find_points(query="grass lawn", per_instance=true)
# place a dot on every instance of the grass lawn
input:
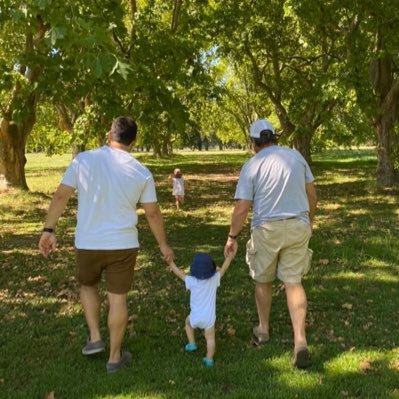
(353, 293)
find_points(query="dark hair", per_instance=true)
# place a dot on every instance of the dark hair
(124, 130)
(266, 137)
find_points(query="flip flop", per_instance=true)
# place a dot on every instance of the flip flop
(259, 338)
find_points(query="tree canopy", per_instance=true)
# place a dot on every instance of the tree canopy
(193, 73)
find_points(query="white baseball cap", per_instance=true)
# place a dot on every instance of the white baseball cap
(259, 126)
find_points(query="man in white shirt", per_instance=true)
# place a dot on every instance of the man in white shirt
(278, 184)
(109, 184)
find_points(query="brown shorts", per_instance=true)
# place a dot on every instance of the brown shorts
(118, 266)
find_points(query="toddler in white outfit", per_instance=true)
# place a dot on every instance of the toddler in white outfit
(203, 283)
(178, 187)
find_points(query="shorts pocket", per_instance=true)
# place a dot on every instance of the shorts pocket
(309, 256)
(250, 255)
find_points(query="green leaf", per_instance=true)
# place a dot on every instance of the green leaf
(122, 68)
(18, 14)
(98, 69)
(42, 4)
(57, 32)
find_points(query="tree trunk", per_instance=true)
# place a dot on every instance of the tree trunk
(13, 134)
(66, 121)
(157, 149)
(302, 144)
(77, 148)
(13, 141)
(12, 155)
(385, 173)
(387, 89)
(165, 148)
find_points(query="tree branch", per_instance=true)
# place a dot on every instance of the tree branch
(176, 15)
(275, 98)
(390, 104)
(64, 121)
(133, 12)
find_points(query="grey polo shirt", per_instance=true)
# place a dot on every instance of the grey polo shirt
(274, 180)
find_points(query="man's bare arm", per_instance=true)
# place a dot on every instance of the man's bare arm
(312, 198)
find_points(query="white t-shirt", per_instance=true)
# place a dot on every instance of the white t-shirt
(110, 183)
(274, 179)
(202, 300)
(178, 186)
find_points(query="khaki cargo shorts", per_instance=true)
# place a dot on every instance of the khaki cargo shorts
(117, 265)
(279, 247)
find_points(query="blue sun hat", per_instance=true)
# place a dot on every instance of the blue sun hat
(203, 266)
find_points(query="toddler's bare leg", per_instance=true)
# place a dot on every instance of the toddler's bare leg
(189, 331)
(210, 342)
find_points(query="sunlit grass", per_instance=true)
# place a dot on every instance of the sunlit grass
(352, 292)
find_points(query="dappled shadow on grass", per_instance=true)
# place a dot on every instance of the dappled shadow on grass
(353, 312)
(352, 292)
(353, 165)
(13, 210)
(334, 330)
(342, 191)
(17, 240)
(41, 171)
(314, 383)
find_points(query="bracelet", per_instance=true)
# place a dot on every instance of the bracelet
(48, 230)
(233, 237)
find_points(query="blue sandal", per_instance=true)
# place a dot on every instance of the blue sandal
(191, 347)
(208, 362)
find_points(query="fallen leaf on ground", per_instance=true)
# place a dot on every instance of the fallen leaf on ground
(367, 326)
(231, 331)
(65, 293)
(365, 365)
(347, 306)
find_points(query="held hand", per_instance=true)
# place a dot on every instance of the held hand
(47, 244)
(167, 252)
(231, 247)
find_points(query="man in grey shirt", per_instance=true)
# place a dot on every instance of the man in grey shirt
(278, 183)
